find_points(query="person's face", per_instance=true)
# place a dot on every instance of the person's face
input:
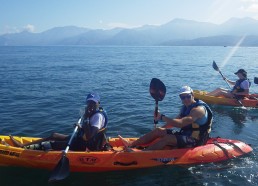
(90, 107)
(240, 75)
(186, 99)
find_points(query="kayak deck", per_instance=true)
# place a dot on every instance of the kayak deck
(216, 149)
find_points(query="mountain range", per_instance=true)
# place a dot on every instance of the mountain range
(178, 32)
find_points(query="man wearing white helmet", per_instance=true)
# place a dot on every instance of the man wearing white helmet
(194, 120)
(91, 134)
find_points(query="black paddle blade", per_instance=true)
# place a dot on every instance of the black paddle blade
(157, 89)
(215, 66)
(61, 170)
(256, 80)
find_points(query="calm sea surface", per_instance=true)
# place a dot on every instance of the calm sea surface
(42, 90)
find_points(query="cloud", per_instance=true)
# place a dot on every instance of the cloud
(7, 29)
(253, 8)
(249, 1)
(10, 29)
(250, 6)
(120, 25)
(29, 28)
(112, 25)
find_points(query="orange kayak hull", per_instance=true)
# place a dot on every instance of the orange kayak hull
(216, 149)
(198, 94)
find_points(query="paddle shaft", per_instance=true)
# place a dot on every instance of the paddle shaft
(156, 113)
(61, 170)
(70, 141)
(225, 79)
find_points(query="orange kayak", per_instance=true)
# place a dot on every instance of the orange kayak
(224, 101)
(216, 149)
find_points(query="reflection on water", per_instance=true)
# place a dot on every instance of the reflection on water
(170, 176)
(238, 115)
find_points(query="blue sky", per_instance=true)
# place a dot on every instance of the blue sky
(38, 16)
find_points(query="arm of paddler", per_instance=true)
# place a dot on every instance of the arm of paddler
(230, 82)
(245, 93)
(182, 122)
(89, 131)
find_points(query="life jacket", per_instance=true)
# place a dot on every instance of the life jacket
(97, 141)
(199, 132)
(237, 86)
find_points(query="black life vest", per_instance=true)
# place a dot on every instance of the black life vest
(199, 133)
(237, 86)
(97, 141)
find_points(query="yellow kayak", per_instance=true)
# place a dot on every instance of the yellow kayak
(198, 94)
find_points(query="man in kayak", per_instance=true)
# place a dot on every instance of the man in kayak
(240, 89)
(91, 134)
(195, 120)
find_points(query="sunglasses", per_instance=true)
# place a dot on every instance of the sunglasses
(183, 97)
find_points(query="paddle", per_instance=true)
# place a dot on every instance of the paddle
(158, 92)
(62, 169)
(256, 80)
(215, 66)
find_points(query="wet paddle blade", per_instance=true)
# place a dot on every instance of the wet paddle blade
(256, 80)
(157, 89)
(61, 170)
(215, 66)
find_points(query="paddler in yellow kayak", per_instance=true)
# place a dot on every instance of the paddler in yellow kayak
(240, 88)
(90, 136)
